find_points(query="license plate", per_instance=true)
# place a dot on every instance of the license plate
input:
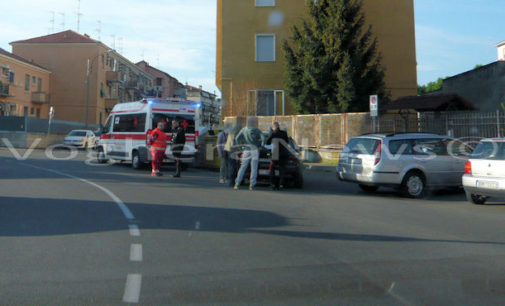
(487, 184)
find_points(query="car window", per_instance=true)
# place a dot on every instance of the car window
(489, 150)
(134, 123)
(361, 146)
(187, 121)
(77, 134)
(402, 147)
(430, 146)
(458, 148)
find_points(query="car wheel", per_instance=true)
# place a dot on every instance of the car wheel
(475, 198)
(368, 189)
(414, 185)
(100, 156)
(299, 181)
(136, 162)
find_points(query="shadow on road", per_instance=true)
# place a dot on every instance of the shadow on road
(51, 217)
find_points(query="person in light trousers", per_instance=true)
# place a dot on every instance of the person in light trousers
(222, 138)
(251, 139)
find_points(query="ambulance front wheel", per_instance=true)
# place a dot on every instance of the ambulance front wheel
(137, 163)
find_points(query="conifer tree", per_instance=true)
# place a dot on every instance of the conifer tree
(332, 62)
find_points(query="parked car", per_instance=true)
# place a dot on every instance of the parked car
(409, 162)
(81, 139)
(485, 172)
(294, 166)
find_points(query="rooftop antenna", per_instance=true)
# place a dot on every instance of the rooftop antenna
(62, 24)
(113, 41)
(120, 45)
(99, 29)
(51, 22)
(79, 14)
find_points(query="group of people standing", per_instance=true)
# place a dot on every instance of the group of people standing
(159, 142)
(239, 149)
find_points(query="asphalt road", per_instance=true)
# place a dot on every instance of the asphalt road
(78, 234)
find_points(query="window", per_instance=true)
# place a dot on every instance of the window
(107, 128)
(27, 82)
(39, 85)
(362, 146)
(11, 77)
(402, 147)
(34, 80)
(430, 147)
(187, 121)
(25, 111)
(265, 103)
(32, 111)
(261, 3)
(159, 81)
(102, 91)
(5, 72)
(265, 47)
(38, 112)
(134, 123)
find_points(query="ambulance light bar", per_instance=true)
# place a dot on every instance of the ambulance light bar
(153, 101)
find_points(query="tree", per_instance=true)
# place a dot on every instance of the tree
(332, 63)
(430, 87)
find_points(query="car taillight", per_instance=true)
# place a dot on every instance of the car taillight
(378, 153)
(468, 168)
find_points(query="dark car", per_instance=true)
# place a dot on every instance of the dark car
(294, 166)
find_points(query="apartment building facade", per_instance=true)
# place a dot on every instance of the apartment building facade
(164, 85)
(24, 87)
(211, 106)
(250, 61)
(87, 76)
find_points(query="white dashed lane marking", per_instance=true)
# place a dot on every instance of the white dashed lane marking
(132, 288)
(136, 252)
(133, 281)
(134, 231)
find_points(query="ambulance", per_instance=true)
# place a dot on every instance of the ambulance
(126, 132)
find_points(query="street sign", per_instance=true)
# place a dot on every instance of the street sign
(374, 106)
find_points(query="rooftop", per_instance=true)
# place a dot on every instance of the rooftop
(65, 37)
(431, 102)
(21, 59)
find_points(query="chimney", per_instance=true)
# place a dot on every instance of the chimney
(200, 87)
(86, 35)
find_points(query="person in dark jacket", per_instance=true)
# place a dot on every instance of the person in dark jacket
(177, 147)
(280, 153)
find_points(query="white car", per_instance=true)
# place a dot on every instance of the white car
(81, 139)
(485, 172)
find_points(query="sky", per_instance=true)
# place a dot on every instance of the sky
(179, 36)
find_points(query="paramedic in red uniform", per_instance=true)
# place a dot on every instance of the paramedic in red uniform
(158, 144)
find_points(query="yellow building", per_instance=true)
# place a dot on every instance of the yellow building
(250, 60)
(24, 87)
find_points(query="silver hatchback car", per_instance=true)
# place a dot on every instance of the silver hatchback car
(410, 162)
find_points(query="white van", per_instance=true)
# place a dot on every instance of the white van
(124, 135)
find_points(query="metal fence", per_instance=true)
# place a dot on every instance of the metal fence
(455, 124)
(37, 125)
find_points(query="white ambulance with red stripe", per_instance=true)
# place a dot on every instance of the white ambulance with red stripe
(126, 131)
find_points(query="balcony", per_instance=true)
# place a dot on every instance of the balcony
(4, 90)
(112, 77)
(110, 102)
(40, 97)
